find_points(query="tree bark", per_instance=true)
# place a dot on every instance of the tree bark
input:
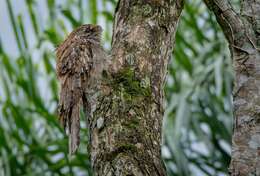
(243, 34)
(125, 110)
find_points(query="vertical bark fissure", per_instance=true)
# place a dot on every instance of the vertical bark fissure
(243, 34)
(125, 109)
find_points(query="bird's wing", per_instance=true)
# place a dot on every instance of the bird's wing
(73, 66)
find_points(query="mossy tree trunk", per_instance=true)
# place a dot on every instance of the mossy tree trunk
(125, 111)
(243, 34)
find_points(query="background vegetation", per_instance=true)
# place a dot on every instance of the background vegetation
(197, 128)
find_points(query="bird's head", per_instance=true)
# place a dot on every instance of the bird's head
(89, 32)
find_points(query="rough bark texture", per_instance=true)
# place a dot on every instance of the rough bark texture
(243, 34)
(125, 110)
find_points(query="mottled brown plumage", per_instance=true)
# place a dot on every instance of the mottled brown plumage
(78, 59)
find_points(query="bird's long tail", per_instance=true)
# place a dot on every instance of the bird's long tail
(69, 110)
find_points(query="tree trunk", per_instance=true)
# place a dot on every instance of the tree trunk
(125, 111)
(243, 34)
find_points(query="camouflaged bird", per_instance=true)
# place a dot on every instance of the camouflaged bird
(80, 59)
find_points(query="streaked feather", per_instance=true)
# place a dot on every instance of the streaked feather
(74, 66)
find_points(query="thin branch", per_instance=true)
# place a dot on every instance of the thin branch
(228, 19)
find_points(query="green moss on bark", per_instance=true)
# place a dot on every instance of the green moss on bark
(131, 123)
(126, 82)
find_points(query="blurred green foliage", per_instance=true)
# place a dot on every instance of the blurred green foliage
(197, 128)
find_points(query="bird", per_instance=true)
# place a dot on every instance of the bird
(80, 59)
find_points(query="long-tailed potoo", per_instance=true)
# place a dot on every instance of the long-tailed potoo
(80, 60)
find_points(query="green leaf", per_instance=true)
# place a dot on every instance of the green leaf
(69, 16)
